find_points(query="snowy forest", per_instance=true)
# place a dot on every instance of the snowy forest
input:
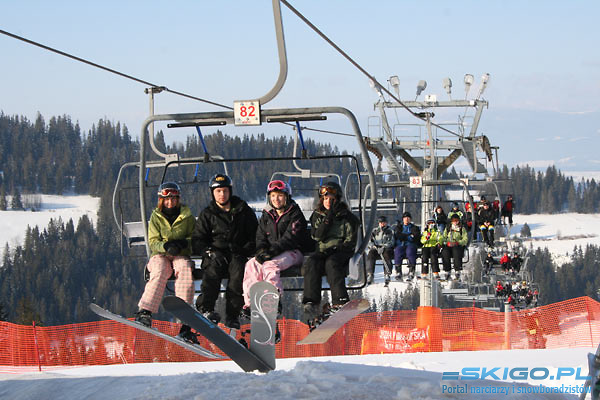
(59, 269)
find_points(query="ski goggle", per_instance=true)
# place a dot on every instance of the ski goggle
(168, 192)
(323, 190)
(276, 185)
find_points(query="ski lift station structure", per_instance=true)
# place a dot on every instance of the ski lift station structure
(430, 149)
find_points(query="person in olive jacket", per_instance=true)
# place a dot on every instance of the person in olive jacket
(225, 236)
(281, 237)
(335, 229)
(169, 233)
(454, 239)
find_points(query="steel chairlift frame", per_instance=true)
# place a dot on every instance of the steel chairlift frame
(275, 115)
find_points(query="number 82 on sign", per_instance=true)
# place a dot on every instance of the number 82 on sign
(246, 112)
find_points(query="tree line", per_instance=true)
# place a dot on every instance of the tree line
(60, 269)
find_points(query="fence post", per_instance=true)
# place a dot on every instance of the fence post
(37, 351)
(589, 318)
(507, 345)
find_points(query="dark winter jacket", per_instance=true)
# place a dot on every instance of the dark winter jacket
(484, 215)
(233, 231)
(440, 217)
(335, 229)
(160, 231)
(407, 235)
(508, 206)
(279, 233)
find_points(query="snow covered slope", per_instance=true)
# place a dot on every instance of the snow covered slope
(391, 376)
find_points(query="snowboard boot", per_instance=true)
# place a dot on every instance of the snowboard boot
(144, 317)
(398, 276)
(232, 322)
(311, 315)
(387, 281)
(211, 315)
(186, 334)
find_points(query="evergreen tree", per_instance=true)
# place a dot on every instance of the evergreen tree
(525, 231)
(3, 313)
(3, 203)
(16, 202)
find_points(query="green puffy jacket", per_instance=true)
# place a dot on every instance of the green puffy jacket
(160, 231)
(431, 238)
(455, 237)
(338, 229)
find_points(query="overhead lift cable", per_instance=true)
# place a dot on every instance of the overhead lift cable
(359, 67)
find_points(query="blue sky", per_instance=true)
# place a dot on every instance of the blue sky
(542, 57)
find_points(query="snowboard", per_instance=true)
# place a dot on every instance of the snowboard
(264, 299)
(236, 351)
(324, 331)
(173, 339)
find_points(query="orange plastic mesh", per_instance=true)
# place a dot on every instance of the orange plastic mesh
(571, 323)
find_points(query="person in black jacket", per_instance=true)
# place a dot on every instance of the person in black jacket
(486, 218)
(281, 237)
(335, 230)
(225, 236)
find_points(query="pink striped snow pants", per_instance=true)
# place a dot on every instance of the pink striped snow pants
(268, 271)
(161, 268)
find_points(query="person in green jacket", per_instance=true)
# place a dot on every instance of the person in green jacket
(335, 229)
(454, 240)
(169, 234)
(431, 240)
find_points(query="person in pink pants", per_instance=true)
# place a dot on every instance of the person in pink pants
(169, 234)
(281, 238)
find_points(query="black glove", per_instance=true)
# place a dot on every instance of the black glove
(217, 257)
(182, 243)
(172, 247)
(325, 224)
(263, 255)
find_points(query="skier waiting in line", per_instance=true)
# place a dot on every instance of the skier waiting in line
(408, 237)
(169, 233)
(516, 262)
(431, 249)
(488, 264)
(486, 218)
(224, 235)
(281, 238)
(507, 210)
(382, 244)
(454, 240)
(335, 229)
(505, 262)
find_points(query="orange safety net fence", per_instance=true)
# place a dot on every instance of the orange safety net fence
(571, 323)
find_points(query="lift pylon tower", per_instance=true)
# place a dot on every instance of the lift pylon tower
(430, 148)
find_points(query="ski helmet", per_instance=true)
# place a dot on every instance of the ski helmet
(169, 189)
(220, 180)
(406, 214)
(430, 220)
(331, 188)
(382, 218)
(455, 205)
